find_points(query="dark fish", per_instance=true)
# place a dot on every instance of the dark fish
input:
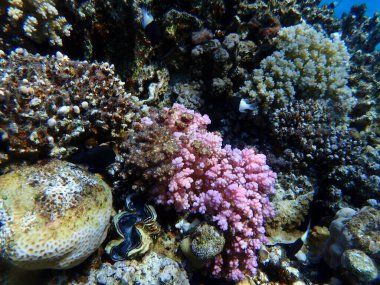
(292, 248)
(151, 28)
(97, 158)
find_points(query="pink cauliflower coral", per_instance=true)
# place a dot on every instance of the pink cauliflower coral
(229, 185)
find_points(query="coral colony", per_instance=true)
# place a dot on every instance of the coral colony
(229, 185)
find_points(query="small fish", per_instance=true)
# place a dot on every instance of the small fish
(244, 106)
(292, 248)
(97, 158)
(150, 26)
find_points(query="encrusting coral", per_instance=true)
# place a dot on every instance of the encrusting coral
(354, 244)
(153, 269)
(231, 186)
(52, 215)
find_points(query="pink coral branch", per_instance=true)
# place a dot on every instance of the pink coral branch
(229, 185)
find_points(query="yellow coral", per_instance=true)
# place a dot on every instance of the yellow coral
(52, 215)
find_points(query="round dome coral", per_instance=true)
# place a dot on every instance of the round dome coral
(52, 215)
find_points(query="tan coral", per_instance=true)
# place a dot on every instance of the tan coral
(38, 19)
(49, 103)
(53, 215)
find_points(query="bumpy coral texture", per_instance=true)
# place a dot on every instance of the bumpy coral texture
(48, 103)
(229, 185)
(39, 20)
(307, 64)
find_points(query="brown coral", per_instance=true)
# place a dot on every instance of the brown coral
(148, 154)
(50, 102)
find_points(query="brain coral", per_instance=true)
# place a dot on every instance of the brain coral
(307, 64)
(52, 215)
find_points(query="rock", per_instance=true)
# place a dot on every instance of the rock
(52, 215)
(360, 265)
(354, 243)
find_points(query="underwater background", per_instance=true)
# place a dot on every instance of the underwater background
(344, 6)
(189, 142)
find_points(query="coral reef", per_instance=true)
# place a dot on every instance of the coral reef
(49, 103)
(230, 185)
(52, 215)
(311, 86)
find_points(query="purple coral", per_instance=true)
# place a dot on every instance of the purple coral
(229, 185)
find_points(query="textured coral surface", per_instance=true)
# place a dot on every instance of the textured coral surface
(231, 186)
(52, 215)
(49, 103)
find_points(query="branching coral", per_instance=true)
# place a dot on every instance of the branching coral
(311, 134)
(230, 186)
(148, 153)
(39, 20)
(307, 64)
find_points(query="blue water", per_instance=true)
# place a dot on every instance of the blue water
(345, 6)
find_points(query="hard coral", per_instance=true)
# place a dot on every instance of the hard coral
(52, 215)
(49, 102)
(202, 245)
(230, 186)
(38, 20)
(307, 64)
